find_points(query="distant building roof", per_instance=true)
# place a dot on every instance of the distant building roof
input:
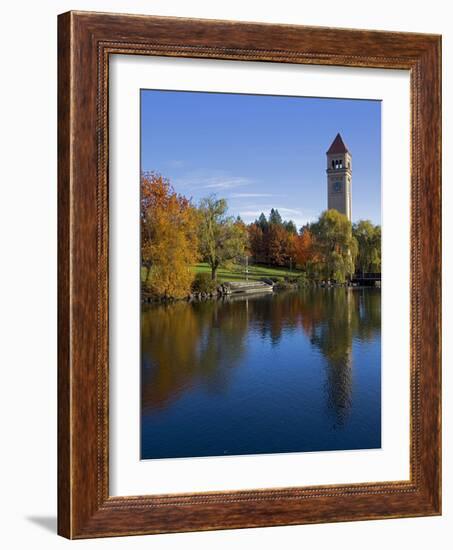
(337, 146)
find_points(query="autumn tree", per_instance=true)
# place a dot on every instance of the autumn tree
(291, 248)
(256, 242)
(222, 240)
(368, 238)
(259, 239)
(169, 237)
(334, 245)
(278, 244)
(273, 241)
(242, 229)
(304, 251)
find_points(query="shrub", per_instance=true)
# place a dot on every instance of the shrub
(303, 280)
(204, 283)
(283, 285)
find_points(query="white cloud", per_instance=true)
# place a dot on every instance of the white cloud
(250, 195)
(216, 181)
(250, 213)
(282, 209)
(299, 217)
(220, 182)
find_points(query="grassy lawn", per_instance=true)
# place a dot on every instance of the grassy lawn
(256, 272)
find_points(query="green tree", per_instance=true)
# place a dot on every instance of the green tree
(368, 238)
(334, 245)
(290, 227)
(274, 217)
(222, 240)
(376, 264)
(262, 222)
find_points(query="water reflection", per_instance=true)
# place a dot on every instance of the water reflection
(193, 349)
(332, 323)
(185, 344)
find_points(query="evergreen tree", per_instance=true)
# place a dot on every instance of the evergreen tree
(274, 217)
(290, 227)
(262, 222)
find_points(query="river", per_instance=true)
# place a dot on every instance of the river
(280, 372)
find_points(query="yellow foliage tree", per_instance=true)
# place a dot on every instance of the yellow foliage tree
(169, 237)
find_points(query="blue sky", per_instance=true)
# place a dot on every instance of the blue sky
(261, 152)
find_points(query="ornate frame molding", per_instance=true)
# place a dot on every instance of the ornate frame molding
(86, 40)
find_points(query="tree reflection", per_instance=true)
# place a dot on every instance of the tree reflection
(191, 345)
(332, 320)
(188, 344)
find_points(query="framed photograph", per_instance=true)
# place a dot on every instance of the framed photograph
(249, 275)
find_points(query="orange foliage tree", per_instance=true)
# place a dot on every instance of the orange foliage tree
(279, 240)
(169, 237)
(303, 248)
(273, 242)
(257, 244)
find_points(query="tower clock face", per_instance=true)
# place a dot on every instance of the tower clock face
(337, 186)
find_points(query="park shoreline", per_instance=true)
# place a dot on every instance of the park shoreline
(223, 292)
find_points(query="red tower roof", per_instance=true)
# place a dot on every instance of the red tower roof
(337, 146)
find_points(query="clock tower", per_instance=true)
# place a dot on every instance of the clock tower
(339, 178)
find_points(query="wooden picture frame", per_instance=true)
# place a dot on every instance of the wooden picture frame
(85, 42)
